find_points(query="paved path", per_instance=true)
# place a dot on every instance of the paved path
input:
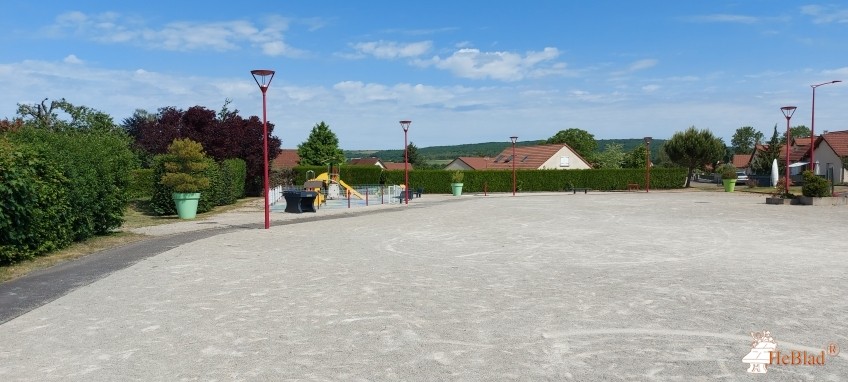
(604, 286)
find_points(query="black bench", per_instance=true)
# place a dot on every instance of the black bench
(300, 201)
(575, 189)
(409, 193)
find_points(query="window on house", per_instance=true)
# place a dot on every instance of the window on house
(498, 159)
(563, 161)
(525, 158)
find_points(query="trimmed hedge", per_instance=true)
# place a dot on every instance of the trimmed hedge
(438, 181)
(234, 175)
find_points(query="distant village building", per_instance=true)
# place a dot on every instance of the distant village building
(541, 157)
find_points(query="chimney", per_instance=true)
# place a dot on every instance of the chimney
(824, 132)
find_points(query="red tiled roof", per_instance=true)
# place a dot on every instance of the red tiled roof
(396, 166)
(797, 152)
(838, 140)
(365, 161)
(741, 160)
(529, 157)
(476, 163)
(288, 158)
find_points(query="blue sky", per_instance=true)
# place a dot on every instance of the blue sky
(462, 71)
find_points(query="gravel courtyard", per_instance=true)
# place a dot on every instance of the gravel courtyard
(597, 287)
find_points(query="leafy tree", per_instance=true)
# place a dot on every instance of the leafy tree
(611, 157)
(224, 135)
(580, 140)
(694, 148)
(635, 158)
(414, 157)
(765, 158)
(321, 146)
(799, 131)
(82, 117)
(745, 139)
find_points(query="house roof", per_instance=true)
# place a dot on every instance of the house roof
(838, 140)
(288, 158)
(741, 160)
(798, 151)
(366, 162)
(476, 163)
(528, 157)
(396, 166)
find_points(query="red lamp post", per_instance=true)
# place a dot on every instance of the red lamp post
(405, 126)
(513, 139)
(787, 112)
(813, 126)
(263, 78)
(647, 164)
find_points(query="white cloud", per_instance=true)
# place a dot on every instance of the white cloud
(642, 64)
(503, 66)
(637, 66)
(650, 88)
(825, 14)
(392, 50)
(72, 59)
(113, 28)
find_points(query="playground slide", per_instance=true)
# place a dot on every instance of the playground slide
(351, 190)
(325, 176)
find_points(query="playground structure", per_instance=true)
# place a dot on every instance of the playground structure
(332, 192)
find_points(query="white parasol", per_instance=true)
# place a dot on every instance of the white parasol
(774, 172)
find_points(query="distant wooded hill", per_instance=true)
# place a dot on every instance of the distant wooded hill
(489, 149)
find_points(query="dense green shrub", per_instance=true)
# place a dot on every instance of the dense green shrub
(234, 174)
(815, 186)
(210, 197)
(141, 184)
(97, 165)
(35, 213)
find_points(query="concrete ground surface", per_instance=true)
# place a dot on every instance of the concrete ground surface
(598, 287)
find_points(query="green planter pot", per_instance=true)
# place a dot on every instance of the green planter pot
(729, 184)
(457, 189)
(186, 204)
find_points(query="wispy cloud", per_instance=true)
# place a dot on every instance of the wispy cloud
(825, 14)
(637, 66)
(723, 18)
(502, 66)
(114, 28)
(391, 50)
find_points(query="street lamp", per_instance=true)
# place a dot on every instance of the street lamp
(513, 139)
(787, 112)
(647, 164)
(405, 126)
(813, 125)
(263, 78)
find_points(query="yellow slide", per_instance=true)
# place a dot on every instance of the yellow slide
(325, 176)
(351, 190)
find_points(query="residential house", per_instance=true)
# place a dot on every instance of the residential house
(830, 150)
(541, 157)
(372, 161)
(742, 162)
(469, 163)
(396, 166)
